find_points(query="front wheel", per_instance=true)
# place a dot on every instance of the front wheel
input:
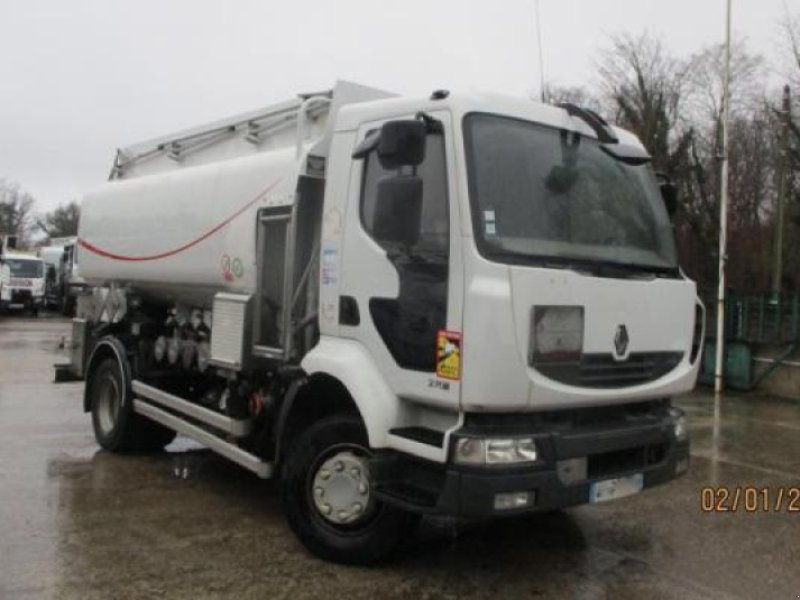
(328, 497)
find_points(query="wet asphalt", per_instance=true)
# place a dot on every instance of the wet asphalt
(77, 522)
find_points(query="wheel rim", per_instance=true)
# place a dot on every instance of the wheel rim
(108, 403)
(340, 487)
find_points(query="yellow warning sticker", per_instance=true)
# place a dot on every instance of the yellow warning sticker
(448, 354)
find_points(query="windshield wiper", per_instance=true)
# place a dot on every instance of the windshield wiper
(609, 142)
(599, 268)
(648, 270)
(605, 135)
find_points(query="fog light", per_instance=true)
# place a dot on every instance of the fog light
(513, 500)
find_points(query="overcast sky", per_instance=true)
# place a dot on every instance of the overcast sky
(80, 77)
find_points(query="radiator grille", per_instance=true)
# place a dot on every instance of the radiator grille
(602, 371)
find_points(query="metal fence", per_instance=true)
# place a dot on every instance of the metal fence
(766, 318)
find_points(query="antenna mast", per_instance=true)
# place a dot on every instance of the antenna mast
(541, 58)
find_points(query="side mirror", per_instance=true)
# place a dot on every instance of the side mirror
(398, 210)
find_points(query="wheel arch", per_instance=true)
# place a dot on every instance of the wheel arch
(107, 347)
(343, 372)
(308, 401)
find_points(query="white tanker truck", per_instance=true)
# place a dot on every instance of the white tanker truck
(466, 306)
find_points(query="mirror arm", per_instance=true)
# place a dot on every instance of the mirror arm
(432, 124)
(367, 145)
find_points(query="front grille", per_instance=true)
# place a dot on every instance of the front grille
(603, 371)
(567, 419)
(19, 296)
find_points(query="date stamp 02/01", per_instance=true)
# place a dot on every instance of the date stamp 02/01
(750, 499)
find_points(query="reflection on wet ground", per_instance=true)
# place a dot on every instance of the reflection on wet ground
(76, 522)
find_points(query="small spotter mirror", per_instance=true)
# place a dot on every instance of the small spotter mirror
(398, 143)
(669, 193)
(402, 143)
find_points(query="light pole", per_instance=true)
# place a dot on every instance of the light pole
(723, 208)
(777, 272)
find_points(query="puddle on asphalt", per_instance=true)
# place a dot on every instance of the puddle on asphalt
(187, 458)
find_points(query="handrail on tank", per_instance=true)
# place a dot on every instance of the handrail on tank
(177, 146)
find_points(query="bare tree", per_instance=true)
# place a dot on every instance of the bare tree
(705, 80)
(790, 29)
(62, 221)
(787, 129)
(555, 94)
(750, 160)
(15, 210)
(642, 85)
(674, 106)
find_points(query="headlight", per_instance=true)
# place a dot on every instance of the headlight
(680, 425)
(494, 451)
(556, 334)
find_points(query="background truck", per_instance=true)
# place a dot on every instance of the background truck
(21, 282)
(63, 283)
(466, 306)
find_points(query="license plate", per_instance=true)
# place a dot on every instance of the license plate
(611, 489)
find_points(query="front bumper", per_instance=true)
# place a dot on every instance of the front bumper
(24, 298)
(572, 460)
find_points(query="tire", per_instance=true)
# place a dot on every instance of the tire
(116, 427)
(372, 531)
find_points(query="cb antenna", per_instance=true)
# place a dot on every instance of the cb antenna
(541, 57)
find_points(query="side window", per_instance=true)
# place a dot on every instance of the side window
(434, 233)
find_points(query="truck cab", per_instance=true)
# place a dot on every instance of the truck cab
(515, 282)
(467, 306)
(23, 282)
(63, 281)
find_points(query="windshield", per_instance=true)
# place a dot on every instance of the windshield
(21, 267)
(542, 195)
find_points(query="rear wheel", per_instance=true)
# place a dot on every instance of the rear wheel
(116, 427)
(328, 498)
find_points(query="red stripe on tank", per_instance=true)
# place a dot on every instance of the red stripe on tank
(107, 254)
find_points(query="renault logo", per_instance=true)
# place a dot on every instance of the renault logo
(621, 340)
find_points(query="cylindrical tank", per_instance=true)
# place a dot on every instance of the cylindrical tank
(184, 235)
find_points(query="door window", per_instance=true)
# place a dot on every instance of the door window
(409, 324)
